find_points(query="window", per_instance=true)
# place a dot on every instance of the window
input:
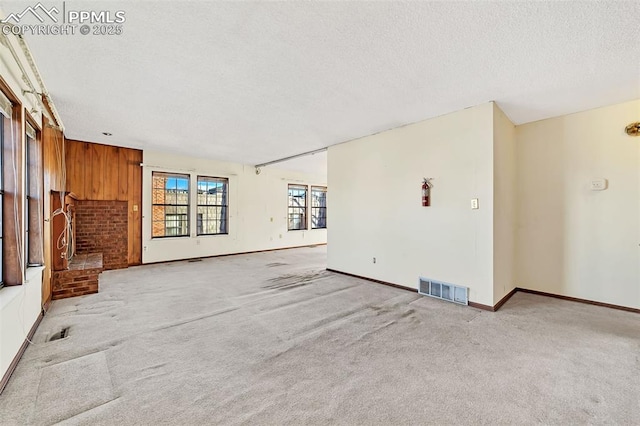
(33, 214)
(170, 205)
(1, 199)
(6, 123)
(297, 207)
(213, 205)
(176, 225)
(14, 186)
(318, 207)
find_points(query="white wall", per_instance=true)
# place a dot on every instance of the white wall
(375, 203)
(257, 209)
(572, 241)
(504, 204)
(19, 309)
(19, 305)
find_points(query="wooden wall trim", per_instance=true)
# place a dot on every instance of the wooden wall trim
(481, 306)
(576, 299)
(6, 89)
(52, 144)
(46, 304)
(413, 290)
(36, 126)
(231, 254)
(502, 301)
(52, 116)
(401, 287)
(23, 348)
(498, 305)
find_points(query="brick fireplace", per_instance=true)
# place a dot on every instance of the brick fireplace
(102, 227)
(101, 242)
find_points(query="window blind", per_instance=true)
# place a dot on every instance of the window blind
(31, 132)
(5, 105)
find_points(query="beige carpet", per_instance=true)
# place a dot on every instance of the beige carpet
(272, 338)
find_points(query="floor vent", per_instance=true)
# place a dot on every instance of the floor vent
(60, 334)
(444, 291)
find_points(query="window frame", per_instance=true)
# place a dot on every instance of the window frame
(169, 175)
(30, 231)
(13, 265)
(224, 207)
(2, 256)
(318, 188)
(305, 221)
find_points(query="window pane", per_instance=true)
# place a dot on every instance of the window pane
(318, 207)
(33, 203)
(212, 205)
(170, 210)
(297, 216)
(170, 197)
(176, 225)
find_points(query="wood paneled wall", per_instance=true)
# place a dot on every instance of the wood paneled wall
(108, 173)
(51, 150)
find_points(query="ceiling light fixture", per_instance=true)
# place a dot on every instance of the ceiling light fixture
(107, 134)
(633, 129)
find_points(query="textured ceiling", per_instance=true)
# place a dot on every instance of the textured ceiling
(256, 81)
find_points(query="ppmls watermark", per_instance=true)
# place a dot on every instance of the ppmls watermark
(61, 20)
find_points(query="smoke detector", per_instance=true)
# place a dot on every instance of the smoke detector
(633, 129)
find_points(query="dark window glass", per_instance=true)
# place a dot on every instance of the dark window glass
(297, 215)
(318, 207)
(170, 205)
(213, 205)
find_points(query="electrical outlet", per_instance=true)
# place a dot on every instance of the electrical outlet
(374, 260)
(474, 203)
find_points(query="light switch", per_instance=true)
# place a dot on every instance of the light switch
(598, 184)
(474, 203)
(135, 207)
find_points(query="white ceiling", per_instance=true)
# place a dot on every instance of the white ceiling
(315, 164)
(257, 81)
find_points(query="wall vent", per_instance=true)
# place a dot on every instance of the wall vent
(445, 291)
(64, 333)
